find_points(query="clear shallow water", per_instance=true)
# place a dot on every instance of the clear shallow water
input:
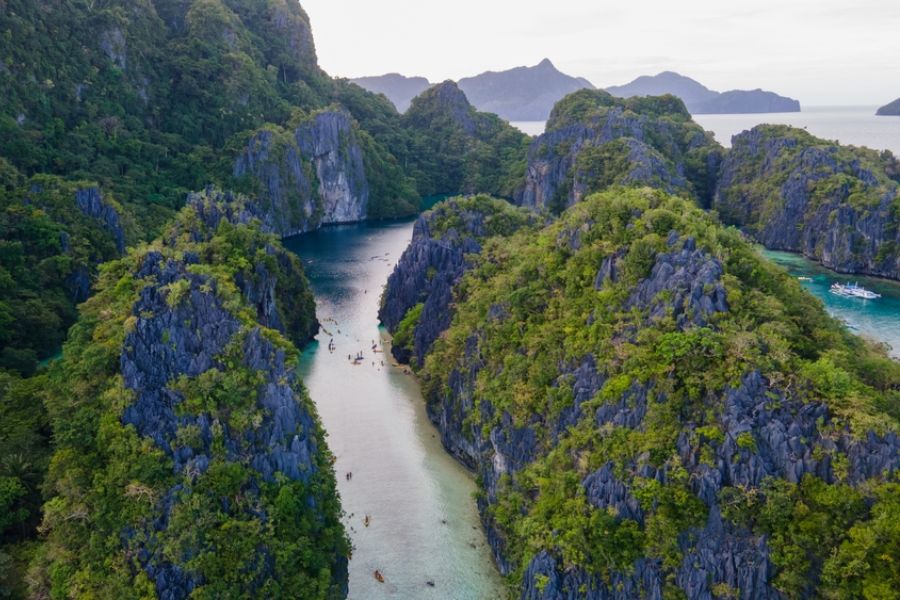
(876, 319)
(847, 124)
(377, 428)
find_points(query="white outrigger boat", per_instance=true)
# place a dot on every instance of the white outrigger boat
(853, 290)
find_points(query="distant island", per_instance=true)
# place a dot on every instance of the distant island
(519, 94)
(399, 89)
(890, 110)
(700, 100)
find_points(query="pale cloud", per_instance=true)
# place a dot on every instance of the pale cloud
(820, 51)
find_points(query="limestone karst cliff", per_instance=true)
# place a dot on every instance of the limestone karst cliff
(835, 204)
(652, 409)
(313, 177)
(188, 459)
(594, 140)
(416, 303)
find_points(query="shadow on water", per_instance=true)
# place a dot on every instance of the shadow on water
(423, 524)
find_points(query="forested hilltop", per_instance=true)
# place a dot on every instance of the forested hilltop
(112, 111)
(652, 409)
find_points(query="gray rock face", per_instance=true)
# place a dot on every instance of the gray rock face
(276, 290)
(827, 202)
(315, 178)
(427, 273)
(90, 202)
(114, 46)
(190, 337)
(557, 178)
(330, 142)
(693, 280)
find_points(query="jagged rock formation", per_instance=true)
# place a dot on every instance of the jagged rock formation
(398, 89)
(457, 150)
(890, 110)
(701, 100)
(315, 177)
(835, 204)
(594, 141)
(611, 381)
(199, 465)
(90, 202)
(416, 304)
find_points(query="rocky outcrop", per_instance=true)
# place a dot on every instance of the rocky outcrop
(617, 142)
(433, 264)
(209, 388)
(275, 287)
(329, 140)
(193, 339)
(454, 149)
(685, 285)
(91, 203)
(834, 204)
(312, 178)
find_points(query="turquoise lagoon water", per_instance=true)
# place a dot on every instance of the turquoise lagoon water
(876, 319)
(423, 522)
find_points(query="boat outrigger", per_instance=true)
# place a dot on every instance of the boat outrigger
(853, 290)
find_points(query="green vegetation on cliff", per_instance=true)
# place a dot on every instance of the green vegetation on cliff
(456, 150)
(50, 244)
(835, 204)
(186, 469)
(147, 101)
(595, 141)
(633, 341)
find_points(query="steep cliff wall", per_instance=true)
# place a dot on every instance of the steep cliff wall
(835, 204)
(594, 141)
(189, 460)
(314, 177)
(652, 410)
(416, 304)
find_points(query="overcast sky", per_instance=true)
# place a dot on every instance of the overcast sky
(823, 52)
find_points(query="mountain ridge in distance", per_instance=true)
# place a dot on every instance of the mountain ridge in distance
(699, 99)
(517, 94)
